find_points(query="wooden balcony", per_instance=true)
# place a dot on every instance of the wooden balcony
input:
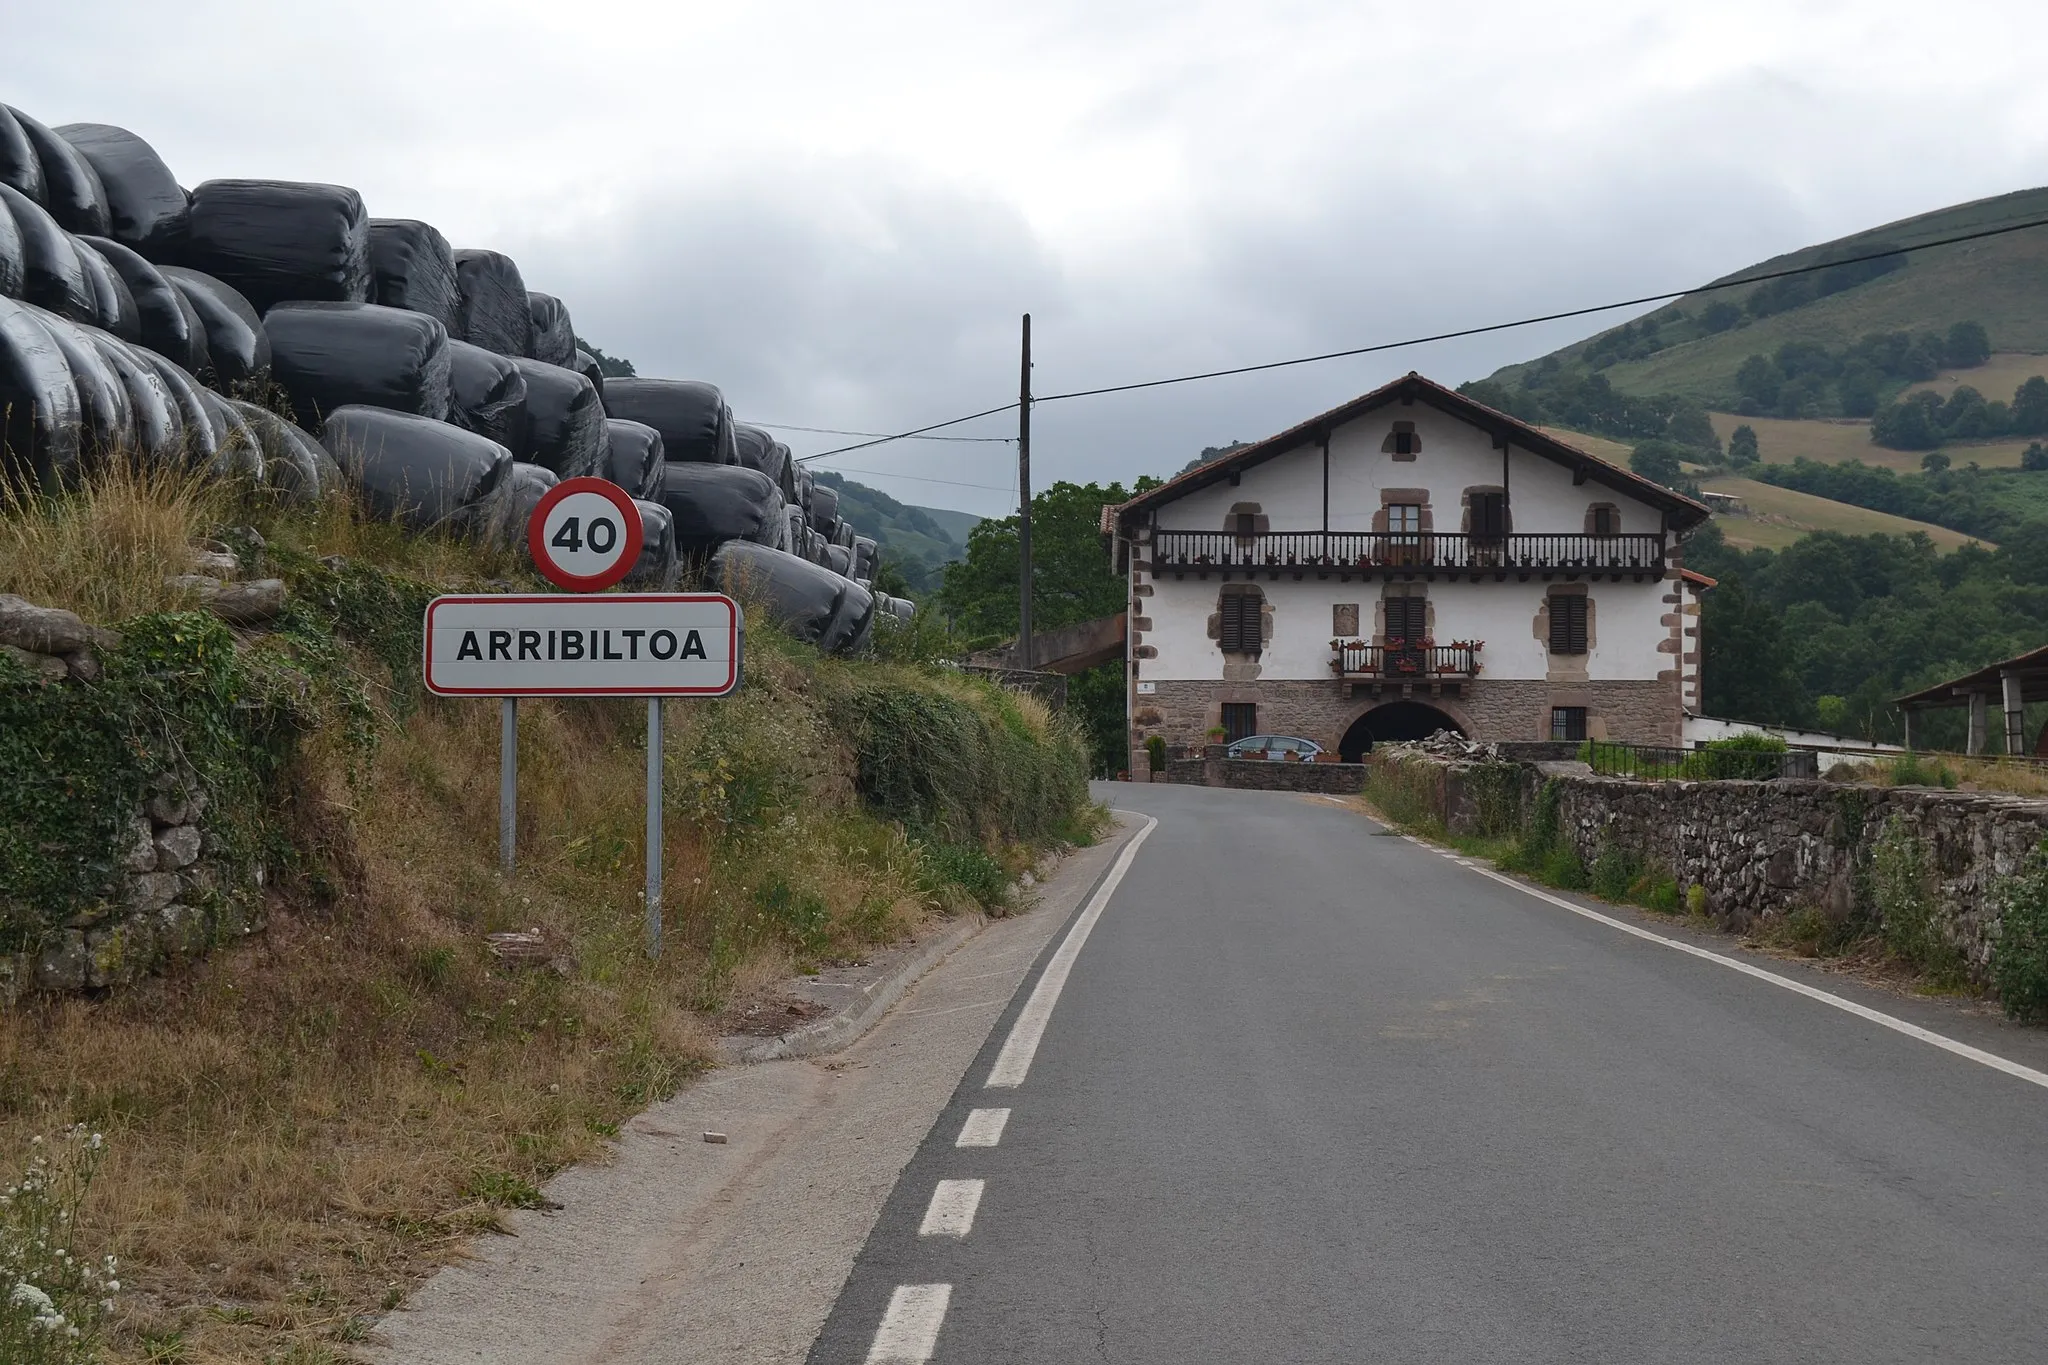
(1425, 555)
(1362, 660)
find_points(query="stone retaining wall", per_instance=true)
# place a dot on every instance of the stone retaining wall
(1768, 848)
(1335, 779)
(174, 901)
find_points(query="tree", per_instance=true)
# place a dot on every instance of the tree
(1965, 416)
(1659, 460)
(1966, 345)
(1719, 316)
(2029, 414)
(2034, 459)
(1742, 446)
(1690, 426)
(1910, 425)
(1758, 380)
(1747, 673)
(1934, 461)
(610, 366)
(1859, 389)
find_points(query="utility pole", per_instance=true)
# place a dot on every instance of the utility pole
(1024, 652)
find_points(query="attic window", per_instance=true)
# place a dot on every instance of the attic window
(1402, 443)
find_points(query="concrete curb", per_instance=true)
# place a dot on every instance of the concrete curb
(830, 1034)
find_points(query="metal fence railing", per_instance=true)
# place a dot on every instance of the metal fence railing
(1180, 551)
(1363, 659)
(1652, 763)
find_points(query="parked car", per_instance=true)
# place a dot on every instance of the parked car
(1275, 748)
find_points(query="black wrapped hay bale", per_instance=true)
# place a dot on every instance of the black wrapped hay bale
(501, 518)
(237, 342)
(634, 461)
(563, 427)
(588, 367)
(553, 335)
(44, 432)
(333, 355)
(491, 309)
(239, 451)
(52, 275)
(412, 267)
(866, 554)
(757, 449)
(658, 565)
(163, 317)
(692, 417)
(713, 504)
(156, 426)
(113, 306)
(294, 463)
(812, 603)
(146, 208)
(71, 187)
(204, 433)
(839, 560)
(414, 469)
(276, 240)
(823, 506)
(20, 168)
(106, 414)
(487, 393)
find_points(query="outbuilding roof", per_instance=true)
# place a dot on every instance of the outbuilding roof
(2031, 669)
(1681, 511)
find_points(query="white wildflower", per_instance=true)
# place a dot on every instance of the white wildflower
(36, 1299)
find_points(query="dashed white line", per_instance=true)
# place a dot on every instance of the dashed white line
(984, 1128)
(1013, 1063)
(910, 1329)
(951, 1212)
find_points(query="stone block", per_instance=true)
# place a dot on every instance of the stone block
(84, 666)
(247, 604)
(139, 847)
(170, 803)
(41, 630)
(121, 952)
(47, 667)
(177, 846)
(61, 966)
(182, 931)
(150, 892)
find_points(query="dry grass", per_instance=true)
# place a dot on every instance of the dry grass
(1997, 377)
(1785, 512)
(309, 1122)
(1599, 447)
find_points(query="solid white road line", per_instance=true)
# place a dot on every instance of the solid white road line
(1013, 1063)
(910, 1329)
(1928, 1036)
(951, 1212)
(984, 1128)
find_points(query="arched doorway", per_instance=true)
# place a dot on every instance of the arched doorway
(1397, 720)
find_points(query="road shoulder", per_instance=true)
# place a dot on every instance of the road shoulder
(682, 1250)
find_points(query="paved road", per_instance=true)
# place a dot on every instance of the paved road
(1317, 1094)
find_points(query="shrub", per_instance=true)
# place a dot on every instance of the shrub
(1562, 868)
(1909, 907)
(2019, 957)
(1406, 794)
(1495, 790)
(1155, 753)
(1539, 834)
(1696, 900)
(1613, 872)
(1911, 770)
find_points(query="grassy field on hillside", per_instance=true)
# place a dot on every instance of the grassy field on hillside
(1996, 378)
(2001, 282)
(1599, 447)
(1779, 516)
(1783, 441)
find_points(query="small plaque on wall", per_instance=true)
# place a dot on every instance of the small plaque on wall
(1344, 619)
(1146, 689)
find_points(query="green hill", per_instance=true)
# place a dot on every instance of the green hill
(955, 524)
(1692, 349)
(912, 538)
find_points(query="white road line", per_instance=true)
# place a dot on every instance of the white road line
(1013, 1063)
(951, 1212)
(954, 1009)
(984, 1128)
(1928, 1036)
(910, 1329)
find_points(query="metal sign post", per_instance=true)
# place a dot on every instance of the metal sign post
(585, 536)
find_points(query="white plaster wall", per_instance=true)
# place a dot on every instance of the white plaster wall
(1628, 623)
(1454, 457)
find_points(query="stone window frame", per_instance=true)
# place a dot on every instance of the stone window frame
(1408, 591)
(1404, 497)
(1233, 522)
(1567, 715)
(1402, 442)
(1613, 511)
(1239, 592)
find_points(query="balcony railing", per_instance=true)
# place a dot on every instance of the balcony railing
(1356, 551)
(1363, 659)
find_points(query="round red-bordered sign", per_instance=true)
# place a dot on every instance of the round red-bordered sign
(584, 534)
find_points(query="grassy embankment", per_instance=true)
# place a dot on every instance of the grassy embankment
(304, 1124)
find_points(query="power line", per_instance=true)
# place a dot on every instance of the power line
(835, 431)
(1765, 276)
(918, 478)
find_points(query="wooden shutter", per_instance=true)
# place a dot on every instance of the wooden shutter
(1567, 625)
(1239, 630)
(1407, 619)
(1489, 516)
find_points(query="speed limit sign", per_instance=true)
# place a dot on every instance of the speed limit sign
(584, 534)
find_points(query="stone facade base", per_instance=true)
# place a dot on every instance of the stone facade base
(1484, 708)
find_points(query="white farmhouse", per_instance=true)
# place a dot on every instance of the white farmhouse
(1407, 562)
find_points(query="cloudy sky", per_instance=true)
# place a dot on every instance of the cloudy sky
(837, 211)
